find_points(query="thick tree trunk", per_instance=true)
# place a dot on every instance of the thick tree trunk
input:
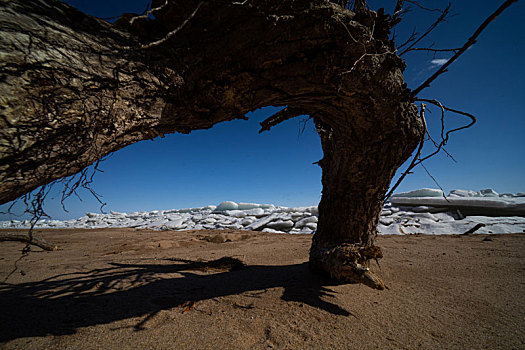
(357, 169)
(74, 89)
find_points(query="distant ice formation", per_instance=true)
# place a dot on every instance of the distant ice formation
(424, 211)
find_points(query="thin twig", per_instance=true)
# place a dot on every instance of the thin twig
(410, 39)
(445, 136)
(433, 50)
(173, 32)
(471, 41)
(398, 9)
(435, 181)
(445, 12)
(422, 7)
(304, 124)
(416, 157)
(147, 13)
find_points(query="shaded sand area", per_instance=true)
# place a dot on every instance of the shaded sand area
(127, 289)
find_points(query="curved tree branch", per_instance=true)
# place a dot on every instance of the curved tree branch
(69, 95)
(17, 237)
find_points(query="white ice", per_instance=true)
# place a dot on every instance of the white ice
(423, 211)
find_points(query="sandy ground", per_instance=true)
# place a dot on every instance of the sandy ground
(126, 289)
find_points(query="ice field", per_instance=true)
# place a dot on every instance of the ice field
(424, 211)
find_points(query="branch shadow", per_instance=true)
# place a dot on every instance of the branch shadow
(60, 304)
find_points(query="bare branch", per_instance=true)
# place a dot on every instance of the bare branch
(435, 181)
(173, 32)
(444, 108)
(410, 39)
(442, 18)
(439, 146)
(416, 157)
(398, 13)
(445, 137)
(471, 41)
(422, 7)
(16, 237)
(147, 13)
(279, 117)
(399, 8)
(432, 50)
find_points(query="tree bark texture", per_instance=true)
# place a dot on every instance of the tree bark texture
(74, 88)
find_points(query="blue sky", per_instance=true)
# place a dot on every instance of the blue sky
(232, 161)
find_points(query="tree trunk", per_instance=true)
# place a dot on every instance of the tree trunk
(357, 169)
(74, 89)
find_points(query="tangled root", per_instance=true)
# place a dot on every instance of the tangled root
(348, 263)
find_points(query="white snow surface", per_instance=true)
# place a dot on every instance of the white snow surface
(424, 211)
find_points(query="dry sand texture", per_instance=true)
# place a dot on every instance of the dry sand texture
(127, 289)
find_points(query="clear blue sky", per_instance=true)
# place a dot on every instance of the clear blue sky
(232, 161)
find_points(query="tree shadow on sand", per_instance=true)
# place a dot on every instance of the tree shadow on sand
(61, 304)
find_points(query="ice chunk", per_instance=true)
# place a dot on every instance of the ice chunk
(227, 205)
(189, 210)
(255, 212)
(314, 210)
(234, 226)
(247, 221)
(463, 193)
(444, 217)
(301, 223)
(489, 192)
(493, 206)
(306, 230)
(281, 225)
(236, 213)
(311, 225)
(247, 206)
(175, 224)
(297, 215)
(426, 209)
(157, 223)
(424, 192)
(386, 221)
(270, 230)
(262, 222)
(389, 230)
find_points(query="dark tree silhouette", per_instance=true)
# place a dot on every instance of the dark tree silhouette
(74, 88)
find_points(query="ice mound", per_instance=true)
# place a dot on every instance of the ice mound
(424, 192)
(485, 202)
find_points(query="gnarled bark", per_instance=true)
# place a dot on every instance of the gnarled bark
(74, 88)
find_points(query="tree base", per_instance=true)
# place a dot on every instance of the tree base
(347, 263)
